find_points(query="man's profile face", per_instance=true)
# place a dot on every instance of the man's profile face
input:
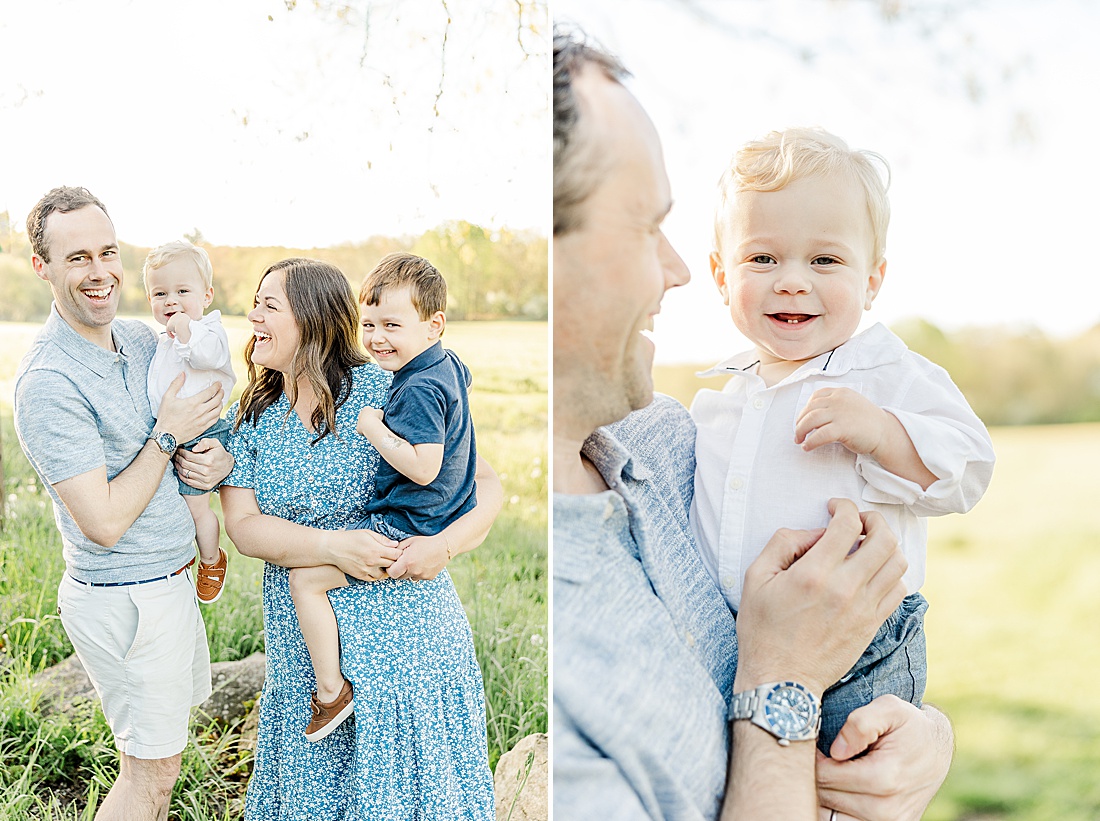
(611, 273)
(85, 270)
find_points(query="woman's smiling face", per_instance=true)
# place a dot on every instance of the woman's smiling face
(275, 330)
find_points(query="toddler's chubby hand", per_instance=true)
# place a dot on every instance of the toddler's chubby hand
(843, 416)
(179, 326)
(367, 417)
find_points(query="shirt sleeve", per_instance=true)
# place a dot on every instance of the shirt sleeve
(588, 784)
(208, 348)
(951, 441)
(418, 414)
(241, 446)
(57, 426)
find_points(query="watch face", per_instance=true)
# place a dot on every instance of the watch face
(791, 710)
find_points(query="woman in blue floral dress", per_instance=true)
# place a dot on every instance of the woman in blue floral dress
(416, 748)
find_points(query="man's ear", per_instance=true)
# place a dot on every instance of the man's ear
(436, 325)
(39, 266)
(874, 284)
(719, 273)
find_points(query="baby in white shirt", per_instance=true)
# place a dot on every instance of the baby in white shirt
(813, 412)
(179, 284)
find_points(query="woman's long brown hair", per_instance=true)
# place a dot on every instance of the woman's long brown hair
(327, 315)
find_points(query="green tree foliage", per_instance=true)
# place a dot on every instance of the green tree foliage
(490, 274)
(1016, 377)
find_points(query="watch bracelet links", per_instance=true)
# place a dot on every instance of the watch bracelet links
(744, 705)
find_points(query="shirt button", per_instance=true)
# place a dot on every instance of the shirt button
(728, 582)
(736, 483)
(608, 511)
(758, 403)
(689, 638)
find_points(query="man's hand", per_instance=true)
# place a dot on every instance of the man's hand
(909, 754)
(809, 608)
(205, 466)
(187, 418)
(843, 416)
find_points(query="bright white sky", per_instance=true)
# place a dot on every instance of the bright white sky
(994, 202)
(145, 102)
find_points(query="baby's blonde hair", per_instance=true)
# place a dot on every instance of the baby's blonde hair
(179, 249)
(781, 157)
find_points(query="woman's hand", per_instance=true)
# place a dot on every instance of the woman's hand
(909, 752)
(363, 554)
(205, 466)
(422, 558)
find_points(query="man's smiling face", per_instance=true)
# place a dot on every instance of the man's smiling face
(84, 271)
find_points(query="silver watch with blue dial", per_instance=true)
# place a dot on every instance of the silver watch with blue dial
(165, 441)
(786, 709)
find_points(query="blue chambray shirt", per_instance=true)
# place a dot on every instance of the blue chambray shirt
(79, 407)
(645, 648)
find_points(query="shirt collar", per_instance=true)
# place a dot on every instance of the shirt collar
(99, 361)
(611, 458)
(421, 362)
(876, 346)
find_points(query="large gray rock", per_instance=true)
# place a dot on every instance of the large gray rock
(236, 684)
(521, 779)
(64, 684)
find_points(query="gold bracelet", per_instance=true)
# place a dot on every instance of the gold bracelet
(449, 556)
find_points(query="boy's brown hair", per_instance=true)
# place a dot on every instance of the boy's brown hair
(427, 288)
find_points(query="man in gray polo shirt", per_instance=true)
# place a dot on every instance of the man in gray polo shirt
(83, 418)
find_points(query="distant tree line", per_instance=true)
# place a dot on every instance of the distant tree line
(1013, 376)
(491, 274)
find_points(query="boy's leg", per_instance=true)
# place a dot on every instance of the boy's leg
(141, 791)
(309, 588)
(895, 663)
(207, 527)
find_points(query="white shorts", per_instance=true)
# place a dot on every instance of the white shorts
(144, 648)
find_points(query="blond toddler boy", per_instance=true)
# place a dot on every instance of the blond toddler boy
(425, 437)
(179, 280)
(813, 412)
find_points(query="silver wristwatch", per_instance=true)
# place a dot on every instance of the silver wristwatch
(785, 709)
(165, 441)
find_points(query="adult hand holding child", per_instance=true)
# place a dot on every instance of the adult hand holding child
(804, 578)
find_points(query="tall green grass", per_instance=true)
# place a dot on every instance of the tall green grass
(57, 766)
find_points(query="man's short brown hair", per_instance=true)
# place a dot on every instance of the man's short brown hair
(576, 169)
(63, 199)
(427, 288)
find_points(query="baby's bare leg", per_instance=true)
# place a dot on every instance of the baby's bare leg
(309, 588)
(207, 527)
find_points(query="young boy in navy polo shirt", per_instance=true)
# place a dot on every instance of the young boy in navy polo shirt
(426, 440)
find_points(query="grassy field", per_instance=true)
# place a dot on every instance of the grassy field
(1013, 642)
(54, 766)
